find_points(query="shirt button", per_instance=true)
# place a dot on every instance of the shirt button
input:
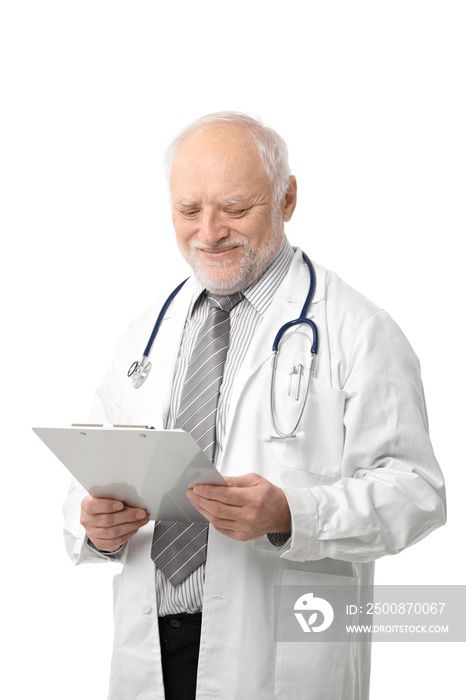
(196, 610)
(146, 607)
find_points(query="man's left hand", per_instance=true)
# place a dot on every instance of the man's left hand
(249, 507)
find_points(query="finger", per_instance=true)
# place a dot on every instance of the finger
(232, 495)
(217, 521)
(110, 520)
(111, 538)
(234, 529)
(236, 493)
(110, 533)
(215, 509)
(101, 505)
(127, 516)
(243, 480)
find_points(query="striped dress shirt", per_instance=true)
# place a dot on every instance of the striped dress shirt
(245, 319)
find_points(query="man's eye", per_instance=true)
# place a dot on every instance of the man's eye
(189, 213)
(237, 213)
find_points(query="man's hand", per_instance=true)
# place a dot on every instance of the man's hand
(108, 523)
(249, 507)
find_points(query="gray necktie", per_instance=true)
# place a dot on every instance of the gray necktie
(179, 548)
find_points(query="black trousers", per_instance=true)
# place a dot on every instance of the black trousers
(180, 636)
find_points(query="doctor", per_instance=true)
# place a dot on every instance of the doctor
(357, 481)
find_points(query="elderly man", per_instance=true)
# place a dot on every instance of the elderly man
(339, 473)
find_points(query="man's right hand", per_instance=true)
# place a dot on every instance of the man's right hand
(109, 524)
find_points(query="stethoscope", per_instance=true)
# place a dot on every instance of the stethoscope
(139, 370)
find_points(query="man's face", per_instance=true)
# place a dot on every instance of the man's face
(227, 225)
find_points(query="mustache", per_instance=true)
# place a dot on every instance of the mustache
(224, 243)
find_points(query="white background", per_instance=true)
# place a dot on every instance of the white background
(370, 99)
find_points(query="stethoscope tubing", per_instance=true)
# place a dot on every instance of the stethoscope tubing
(160, 317)
(302, 317)
(280, 435)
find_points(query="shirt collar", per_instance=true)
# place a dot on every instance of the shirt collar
(261, 293)
(198, 293)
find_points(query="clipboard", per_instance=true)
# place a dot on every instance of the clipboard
(143, 467)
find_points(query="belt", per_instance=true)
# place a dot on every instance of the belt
(181, 620)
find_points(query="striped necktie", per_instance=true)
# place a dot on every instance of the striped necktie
(179, 548)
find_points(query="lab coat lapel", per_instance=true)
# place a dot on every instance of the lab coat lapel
(169, 340)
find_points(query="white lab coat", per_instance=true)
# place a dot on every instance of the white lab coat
(360, 478)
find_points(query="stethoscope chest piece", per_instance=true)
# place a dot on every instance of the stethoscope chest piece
(139, 371)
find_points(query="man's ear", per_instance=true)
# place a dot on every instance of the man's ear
(289, 201)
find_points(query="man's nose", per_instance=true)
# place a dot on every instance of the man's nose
(212, 228)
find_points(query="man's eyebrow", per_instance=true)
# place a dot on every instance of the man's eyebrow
(228, 202)
(185, 202)
(224, 203)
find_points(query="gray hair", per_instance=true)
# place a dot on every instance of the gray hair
(272, 148)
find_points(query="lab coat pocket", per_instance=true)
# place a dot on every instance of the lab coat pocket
(310, 668)
(318, 445)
